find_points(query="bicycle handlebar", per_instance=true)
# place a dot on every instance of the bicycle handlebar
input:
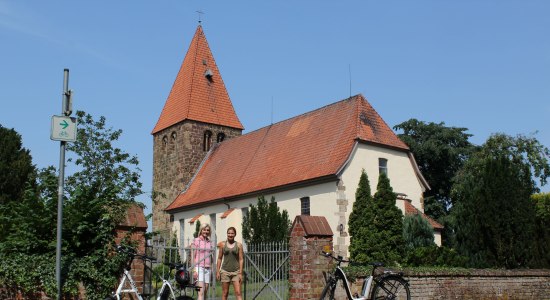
(340, 259)
(132, 252)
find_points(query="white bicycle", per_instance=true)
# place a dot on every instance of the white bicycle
(127, 284)
(388, 285)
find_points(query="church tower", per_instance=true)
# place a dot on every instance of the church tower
(197, 114)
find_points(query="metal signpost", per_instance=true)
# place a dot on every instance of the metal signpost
(64, 130)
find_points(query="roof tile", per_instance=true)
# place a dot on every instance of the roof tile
(310, 146)
(196, 97)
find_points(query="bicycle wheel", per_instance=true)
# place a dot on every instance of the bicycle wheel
(165, 294)
(392, 287)
(328, 291)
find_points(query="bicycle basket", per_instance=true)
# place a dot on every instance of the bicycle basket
(183, 277)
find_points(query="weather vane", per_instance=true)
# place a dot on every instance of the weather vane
(200, 12)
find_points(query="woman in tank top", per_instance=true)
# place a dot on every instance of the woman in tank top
(231, 269)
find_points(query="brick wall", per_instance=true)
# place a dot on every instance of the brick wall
(481, 284)
(177, 153)
(472, 284)
(309, 235)
(134, 227)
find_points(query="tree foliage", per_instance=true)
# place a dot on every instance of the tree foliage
(440, 152)
(494, 213)
(16, 166)
(417, 232)
(197, 229)
(382, 237)
(360, 215)
(96, 195)
(264, 222)
(542, 229)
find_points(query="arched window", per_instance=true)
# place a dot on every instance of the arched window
(207, 141)
(164, 142)
(221, 137)
(172, 143)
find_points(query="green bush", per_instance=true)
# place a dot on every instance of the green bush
(434, 256)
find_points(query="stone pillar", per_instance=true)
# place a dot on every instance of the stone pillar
(308, 237)
(134, 227)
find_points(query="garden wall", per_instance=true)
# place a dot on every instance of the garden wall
(309, 234)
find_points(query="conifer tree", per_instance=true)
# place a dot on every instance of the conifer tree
(382, 237)
(264, 222)
(494, 215)
(197, 229)
(417, 232)
(388, 223)
(360, 216)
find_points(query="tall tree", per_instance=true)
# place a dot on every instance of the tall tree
(542, 230)
(383, 236)
(96, 195)
(440, 152)
(264, 222)
(16, 176)
(494, 215)
(360, 216)
(15, 166)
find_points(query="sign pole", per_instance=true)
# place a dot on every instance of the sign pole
(64, 111)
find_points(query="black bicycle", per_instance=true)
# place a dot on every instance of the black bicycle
(387, 285)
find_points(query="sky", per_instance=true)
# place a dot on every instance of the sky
(479, 64)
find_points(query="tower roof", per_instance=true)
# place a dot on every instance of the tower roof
(198, 93)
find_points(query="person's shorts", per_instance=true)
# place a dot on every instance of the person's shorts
(203, 274)
(229, 276)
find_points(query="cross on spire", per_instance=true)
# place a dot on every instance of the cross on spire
(200, 12)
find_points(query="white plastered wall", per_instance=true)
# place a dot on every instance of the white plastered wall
(323, 196)
(322, 199)
(400, 172)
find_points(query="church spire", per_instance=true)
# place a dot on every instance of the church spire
(198, 93)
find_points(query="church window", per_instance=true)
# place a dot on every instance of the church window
(221, 137)
(207, 141)
(383, 166)
(164, 142)
(173, 136)
(304, 205)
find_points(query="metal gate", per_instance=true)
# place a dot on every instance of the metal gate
(167, 250)
(267, 269)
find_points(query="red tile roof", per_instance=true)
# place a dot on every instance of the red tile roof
(308, 147)
(193, 95)
(226, 213)
(313, 225)
(411, 210)
(195, 218)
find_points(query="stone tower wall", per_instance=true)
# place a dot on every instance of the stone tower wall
(177, 153)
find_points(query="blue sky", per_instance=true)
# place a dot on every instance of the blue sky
(479, 64)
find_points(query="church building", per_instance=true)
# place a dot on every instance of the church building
(205, 169)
